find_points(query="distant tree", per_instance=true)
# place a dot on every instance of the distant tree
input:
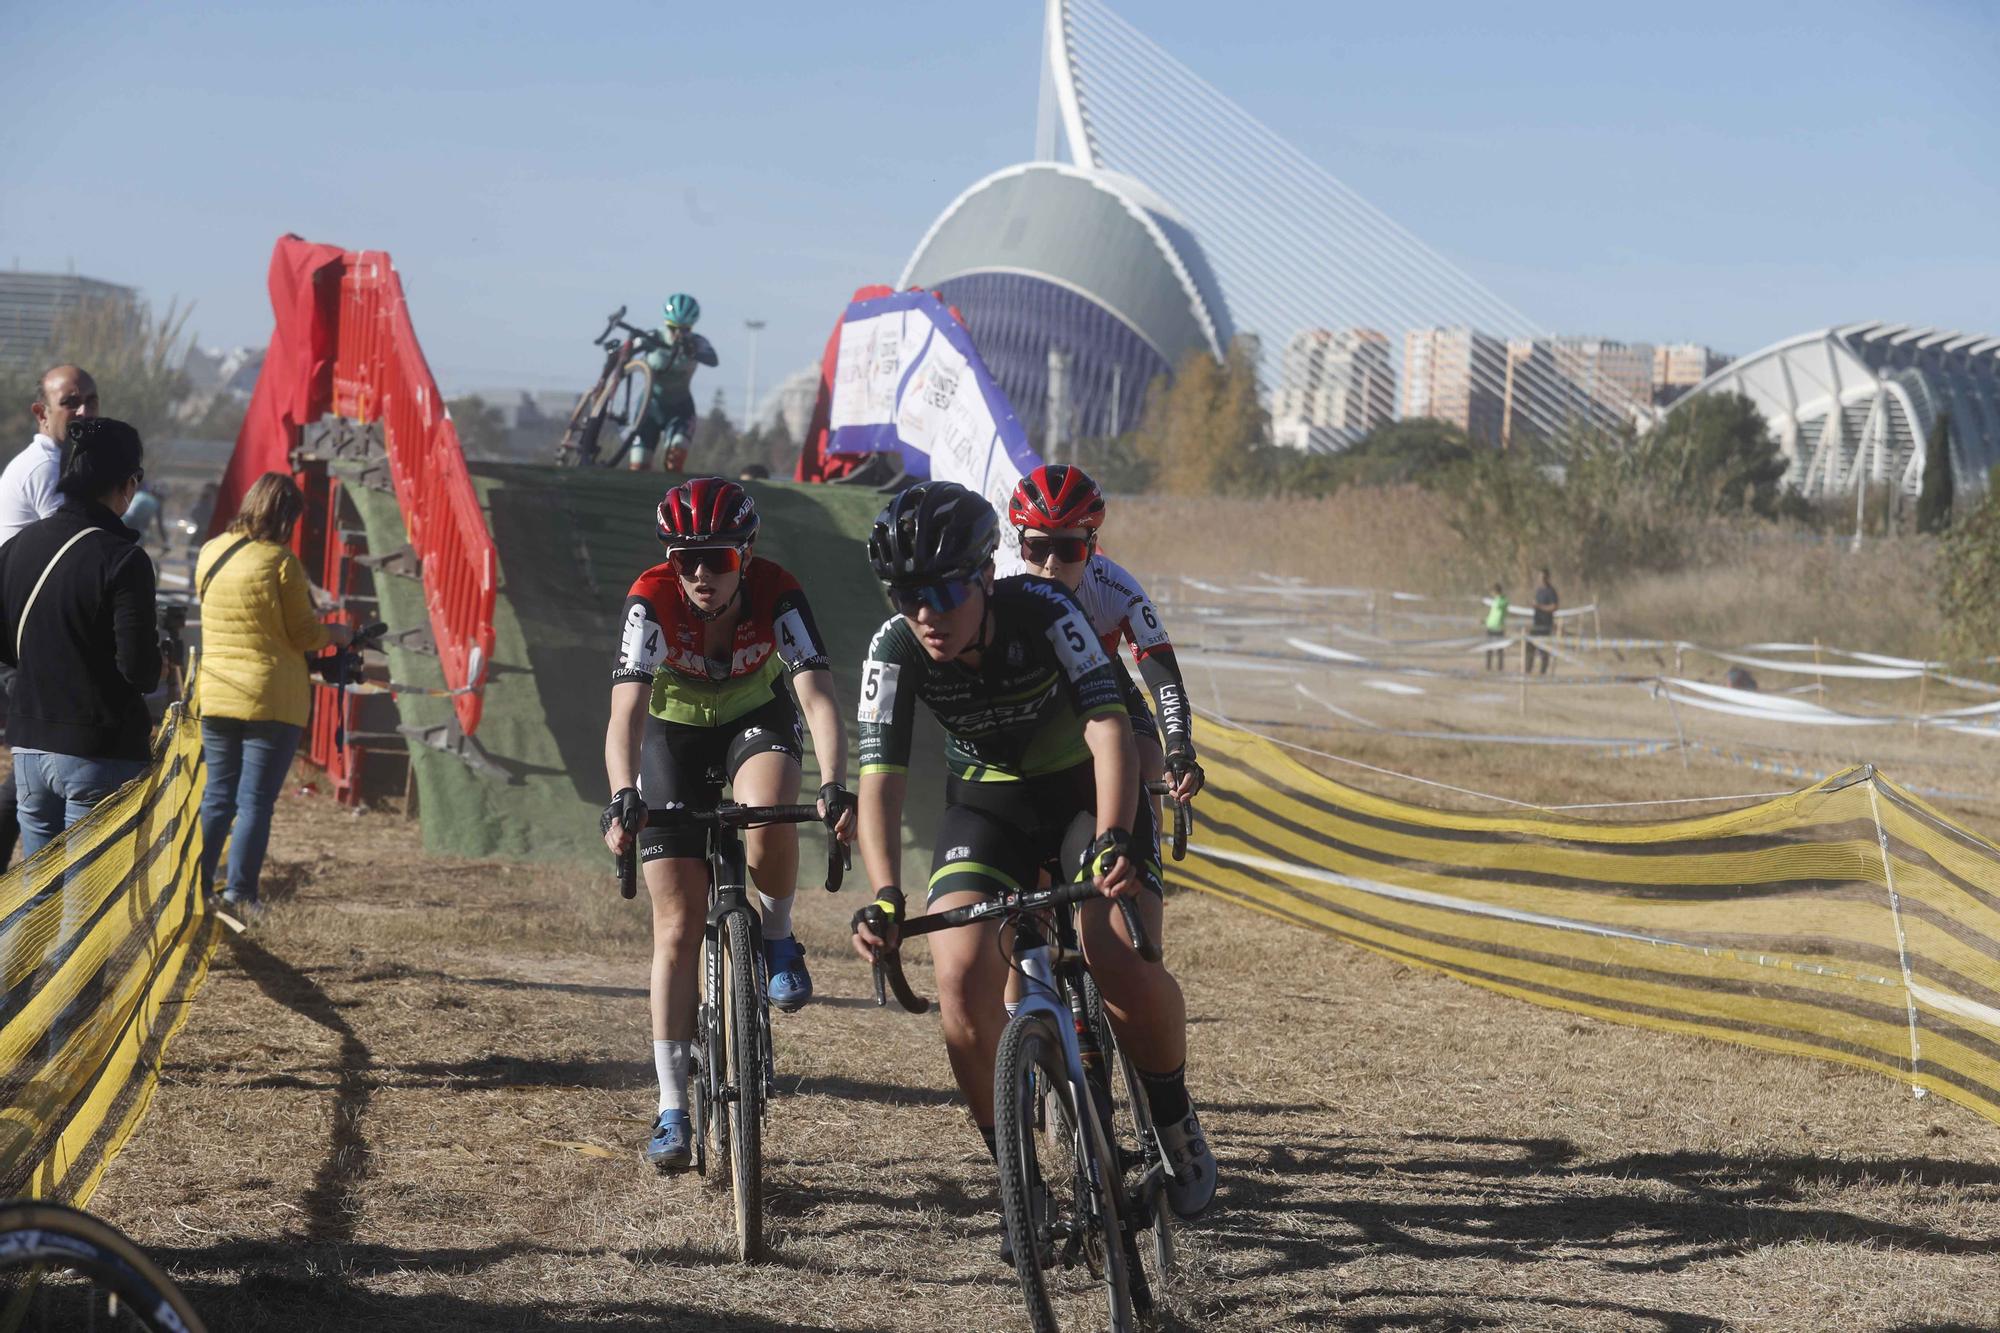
(714, 443)
(482, 427)
(1205, 433)
(1715, 454)
(134, 355)
(1969, 578)
(1934, 499)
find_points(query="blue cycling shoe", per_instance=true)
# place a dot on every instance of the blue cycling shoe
(791, 984)
(671, 1147)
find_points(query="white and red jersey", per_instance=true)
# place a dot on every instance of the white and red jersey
(1118, 608)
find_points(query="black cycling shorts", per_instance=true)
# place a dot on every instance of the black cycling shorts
(688, 764)
(997, 835)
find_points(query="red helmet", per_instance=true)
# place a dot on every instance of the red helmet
(707, 511)
(1056, 496)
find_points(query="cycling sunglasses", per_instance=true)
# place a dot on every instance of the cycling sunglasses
(1036, 548)
(944, 595)
(714, 559)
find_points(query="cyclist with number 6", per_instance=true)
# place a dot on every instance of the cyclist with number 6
(708, 639)
(1056, 511)
(1041, 768)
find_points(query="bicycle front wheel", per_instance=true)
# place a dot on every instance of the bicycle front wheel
(1058, 1187)
(745, 1083)
(625, 404)
(114, 1285)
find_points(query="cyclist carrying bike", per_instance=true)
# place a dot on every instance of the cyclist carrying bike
(707, 640)
(1056, 511)
(670, 413)
(1041, 768)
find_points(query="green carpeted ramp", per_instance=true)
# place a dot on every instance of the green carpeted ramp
(571, 542)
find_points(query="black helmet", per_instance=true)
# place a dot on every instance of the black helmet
(934, 530)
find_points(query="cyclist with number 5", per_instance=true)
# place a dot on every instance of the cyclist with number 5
(1041, 768)
(1056, 511)
(708, 640)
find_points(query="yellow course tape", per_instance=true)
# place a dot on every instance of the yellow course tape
(1847, 921)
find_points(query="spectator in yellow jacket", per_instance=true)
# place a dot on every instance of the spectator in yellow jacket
(251, 688)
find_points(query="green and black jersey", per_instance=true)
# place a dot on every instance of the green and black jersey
(1018, 715)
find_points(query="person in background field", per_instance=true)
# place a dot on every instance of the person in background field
(251, 689)
(754, 472)
(78, 622)
(28, 493)
(1496, 629)
(1544, 625)
(146, 512)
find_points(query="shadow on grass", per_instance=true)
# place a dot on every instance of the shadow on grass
(1536, 1200)
(329, 1203)
(310, 1289)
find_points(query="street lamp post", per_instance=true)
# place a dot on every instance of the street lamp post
(750, 385)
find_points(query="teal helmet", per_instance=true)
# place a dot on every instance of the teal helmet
(680, 311)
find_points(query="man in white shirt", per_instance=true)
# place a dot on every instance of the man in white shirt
(28, 493)
(28, 485)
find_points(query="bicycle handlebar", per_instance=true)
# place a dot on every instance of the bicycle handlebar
(729, 815)
(889, 963)
(1183, 818)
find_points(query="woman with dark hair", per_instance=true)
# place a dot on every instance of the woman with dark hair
(251, 690)
(77, 620)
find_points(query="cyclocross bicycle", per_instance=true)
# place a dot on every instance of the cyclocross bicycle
(731, 1076)
(109, 1282)
(619, 398)
(1051, 1099)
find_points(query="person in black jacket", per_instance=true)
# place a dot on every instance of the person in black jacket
(77, 620)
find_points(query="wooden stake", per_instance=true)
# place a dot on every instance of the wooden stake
(1923, 685)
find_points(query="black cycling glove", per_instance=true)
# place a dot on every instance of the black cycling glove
(1104, 853)
(627, 808)
(838, 799)
(1181, 761)
(881, 915)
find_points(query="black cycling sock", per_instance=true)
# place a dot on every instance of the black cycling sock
(1167, 1095)
(992, 1147)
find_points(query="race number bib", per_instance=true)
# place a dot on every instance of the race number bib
(795, 644)
(1076, 647)
(878, 692)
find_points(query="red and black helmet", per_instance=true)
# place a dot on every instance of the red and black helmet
(707, 511)
(1056, 496)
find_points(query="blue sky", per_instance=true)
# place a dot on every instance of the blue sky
(1724, 173)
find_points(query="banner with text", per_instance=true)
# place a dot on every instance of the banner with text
(909, 381)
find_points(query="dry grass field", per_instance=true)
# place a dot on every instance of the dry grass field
(411, 1098)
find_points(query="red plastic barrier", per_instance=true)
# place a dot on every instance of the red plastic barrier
(380, 374)
(344, 344)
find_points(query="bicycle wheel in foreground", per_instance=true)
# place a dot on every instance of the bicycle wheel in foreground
(745, 1082)
(62, 1269)
(1058, 1196)
(1157, 1244)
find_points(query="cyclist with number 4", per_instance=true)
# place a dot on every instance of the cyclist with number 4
(1041, 768)
(708, 640)
(1056, 511)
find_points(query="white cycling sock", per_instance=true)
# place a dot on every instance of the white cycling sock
(777, 914)
(670, 1062)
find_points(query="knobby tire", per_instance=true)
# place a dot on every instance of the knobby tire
(45, 1235)
(1029, 1065)
(1140, 1113)
(746, 1076)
